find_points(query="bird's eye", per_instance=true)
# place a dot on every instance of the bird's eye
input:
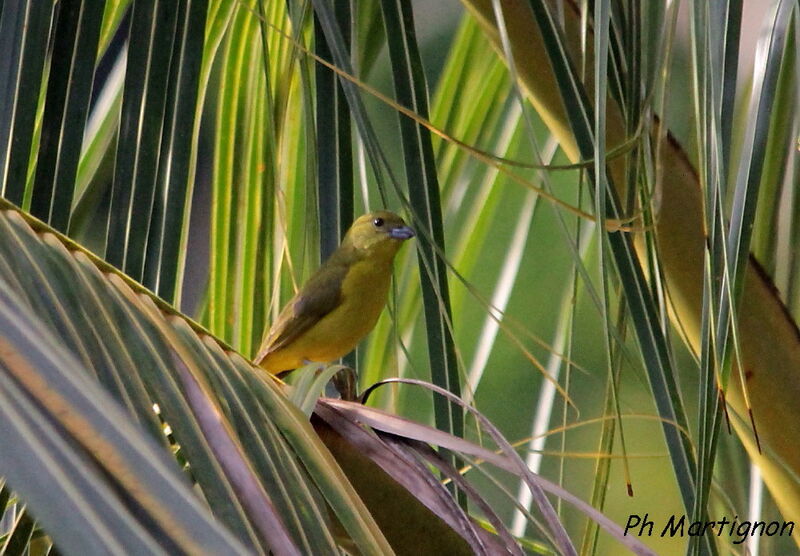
(378, 222)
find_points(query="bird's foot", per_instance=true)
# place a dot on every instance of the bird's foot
(346, 383)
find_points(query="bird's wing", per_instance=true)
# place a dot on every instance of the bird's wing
(319, 296)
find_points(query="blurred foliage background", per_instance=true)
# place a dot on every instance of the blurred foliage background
(580, 276)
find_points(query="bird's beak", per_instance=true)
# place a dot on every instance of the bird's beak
(402, 232)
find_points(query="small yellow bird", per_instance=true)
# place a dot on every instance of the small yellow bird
(342, 300)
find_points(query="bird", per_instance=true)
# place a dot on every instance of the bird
(341, 302)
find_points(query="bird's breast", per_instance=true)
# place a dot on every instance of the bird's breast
(363, 295)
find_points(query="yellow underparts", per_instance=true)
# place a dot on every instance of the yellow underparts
(364, 293)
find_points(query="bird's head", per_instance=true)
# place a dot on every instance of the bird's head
(379, 233)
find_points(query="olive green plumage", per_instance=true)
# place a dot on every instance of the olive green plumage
(342, 300)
